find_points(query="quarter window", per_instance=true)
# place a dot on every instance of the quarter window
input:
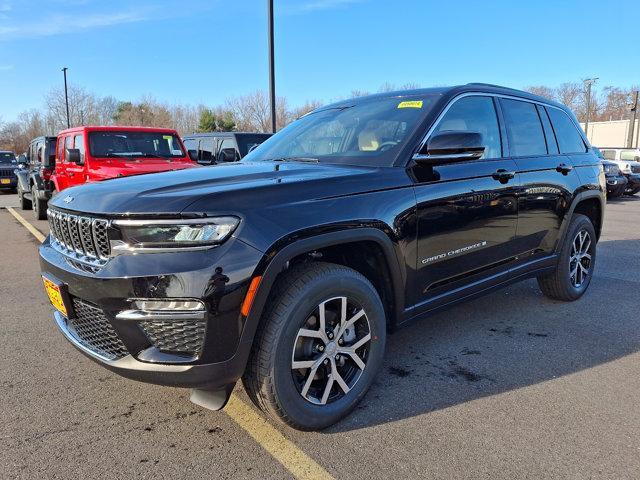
(569, 139)
(67, 146)
(552, 144)
(524, 129)
(474, 114)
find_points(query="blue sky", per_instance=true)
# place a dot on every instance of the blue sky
(203, 51)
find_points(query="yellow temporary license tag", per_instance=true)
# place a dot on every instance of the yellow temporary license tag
(410, 104)
(55, 296)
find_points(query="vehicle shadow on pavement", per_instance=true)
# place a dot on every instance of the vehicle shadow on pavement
(507, 340)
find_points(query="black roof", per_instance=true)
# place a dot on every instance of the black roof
(224, 134)
(46, 137)
(450, 91)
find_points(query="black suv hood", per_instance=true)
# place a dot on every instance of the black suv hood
(226, 187)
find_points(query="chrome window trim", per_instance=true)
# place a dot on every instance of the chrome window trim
(438, 119)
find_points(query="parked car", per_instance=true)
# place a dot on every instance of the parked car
(288, 268)
(34, 180)
(220, 147)
(627, 160)
(8, 166)
(616, 181)
(93, 154)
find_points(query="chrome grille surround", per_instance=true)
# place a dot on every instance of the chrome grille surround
(80, 237)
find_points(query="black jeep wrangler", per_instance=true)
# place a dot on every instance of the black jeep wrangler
(34, 183)
(287, 269)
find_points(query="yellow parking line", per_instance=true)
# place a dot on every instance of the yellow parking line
(34, 231)
(269, 438)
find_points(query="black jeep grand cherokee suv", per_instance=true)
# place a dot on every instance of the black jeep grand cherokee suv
(288, 268)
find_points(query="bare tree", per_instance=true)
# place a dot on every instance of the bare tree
(571, 94)
(252, 112)
(542, 91)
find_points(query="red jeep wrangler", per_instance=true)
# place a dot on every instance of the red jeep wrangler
(90, 154)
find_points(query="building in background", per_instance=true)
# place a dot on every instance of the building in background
(615, 133)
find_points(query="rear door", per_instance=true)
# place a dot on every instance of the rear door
(467, 211)
(548, 179)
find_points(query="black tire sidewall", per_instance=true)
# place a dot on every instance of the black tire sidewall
(302, 412)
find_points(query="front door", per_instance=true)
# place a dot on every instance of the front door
(467, 211)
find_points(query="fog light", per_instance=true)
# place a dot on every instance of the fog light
(169, 305)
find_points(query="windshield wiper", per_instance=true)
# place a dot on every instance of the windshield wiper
(153, 155)
(296, 159)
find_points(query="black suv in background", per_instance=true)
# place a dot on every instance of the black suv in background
(8, 166)
(287, 269)
(34, 182)
(220, 147)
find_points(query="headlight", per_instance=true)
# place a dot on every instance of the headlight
(141, 235)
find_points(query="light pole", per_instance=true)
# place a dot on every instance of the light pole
(272, 76)
(588, 82)
(632, 125)
(66, 95)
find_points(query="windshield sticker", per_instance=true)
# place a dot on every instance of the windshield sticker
(167, 137)
(410, 104)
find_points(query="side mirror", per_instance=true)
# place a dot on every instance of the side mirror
(228, 155)
(73, 155)
(193, 155)
(450, 147)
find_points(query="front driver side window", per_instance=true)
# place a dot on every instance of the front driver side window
(474, 114)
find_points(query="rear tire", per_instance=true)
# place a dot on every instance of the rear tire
(632, 191)
(25, 203)
(39, 205)
(576, 264)
(303, 301)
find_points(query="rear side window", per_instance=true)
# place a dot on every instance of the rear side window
(524, 129)
(475, 114)
(207, 149)
(552, 145)
(569, 139)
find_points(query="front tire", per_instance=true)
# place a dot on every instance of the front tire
(632, 191)
(576, 264)
(25, 203)
(319, 346)
(39, 205)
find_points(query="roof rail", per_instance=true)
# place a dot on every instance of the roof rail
(490, 85)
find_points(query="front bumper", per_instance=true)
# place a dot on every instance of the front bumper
(633, 180)
(616, 183)
(219, 277)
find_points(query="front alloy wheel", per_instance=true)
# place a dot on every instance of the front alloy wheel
(330, 350)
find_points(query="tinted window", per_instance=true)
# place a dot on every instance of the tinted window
(67, 144)
(134, 144)
(78, 142)
(569, 139)
(474, 114)
(227, 143)
(247, 142)
(190, 143)
(552, 145)
(207, 149)
(524, 129)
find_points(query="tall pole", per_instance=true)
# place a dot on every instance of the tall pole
(632, 125)
(66, 95)
(272, 75)
(588, 83)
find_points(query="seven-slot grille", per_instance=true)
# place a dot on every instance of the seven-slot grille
(79, 234)
(7, 172)
(93, 330)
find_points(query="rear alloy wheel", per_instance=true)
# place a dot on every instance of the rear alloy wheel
(574, 270)
(318, 347)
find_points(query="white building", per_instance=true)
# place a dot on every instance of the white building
(614, 133)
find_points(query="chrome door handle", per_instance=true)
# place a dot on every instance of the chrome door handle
(502, 175)
(563, 168)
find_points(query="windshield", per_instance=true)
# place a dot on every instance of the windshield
(7, 157)
(135, 145)
(369, 132)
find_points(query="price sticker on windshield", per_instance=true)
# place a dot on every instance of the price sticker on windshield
(410, 104)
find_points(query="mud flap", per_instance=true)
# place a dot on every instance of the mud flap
(211, 399)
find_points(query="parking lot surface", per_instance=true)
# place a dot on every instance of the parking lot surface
(511, 385)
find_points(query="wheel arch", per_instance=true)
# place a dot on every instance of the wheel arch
(589, 203)
(279, 259)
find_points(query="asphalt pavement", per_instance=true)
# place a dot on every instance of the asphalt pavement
(511, 385)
